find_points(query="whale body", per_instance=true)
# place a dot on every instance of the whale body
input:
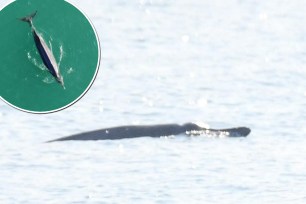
(134, 131)
(44, 51)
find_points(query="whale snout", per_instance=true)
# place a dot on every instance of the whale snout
(244, 131)
(60, 80)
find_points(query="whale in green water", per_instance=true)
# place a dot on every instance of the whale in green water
(44, 51)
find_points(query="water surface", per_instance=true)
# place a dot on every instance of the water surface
(225, 63)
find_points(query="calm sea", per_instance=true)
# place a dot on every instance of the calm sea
(224, 63)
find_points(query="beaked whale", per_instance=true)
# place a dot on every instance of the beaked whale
(134, 131)
(44, 51)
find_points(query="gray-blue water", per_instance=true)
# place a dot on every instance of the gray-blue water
(225, 63)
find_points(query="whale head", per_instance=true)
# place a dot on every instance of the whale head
(60, 80)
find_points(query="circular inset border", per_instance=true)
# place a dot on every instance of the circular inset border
(88, 86)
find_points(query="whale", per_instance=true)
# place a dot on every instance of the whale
(44, 51)
(160, 130)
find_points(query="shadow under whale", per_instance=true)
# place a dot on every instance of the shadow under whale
(134, 131)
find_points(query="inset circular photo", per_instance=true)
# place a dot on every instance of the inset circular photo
(50, 55)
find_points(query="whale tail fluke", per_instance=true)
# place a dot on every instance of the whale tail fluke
(29, 18)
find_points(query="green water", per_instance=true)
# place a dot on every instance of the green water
(25, 82)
